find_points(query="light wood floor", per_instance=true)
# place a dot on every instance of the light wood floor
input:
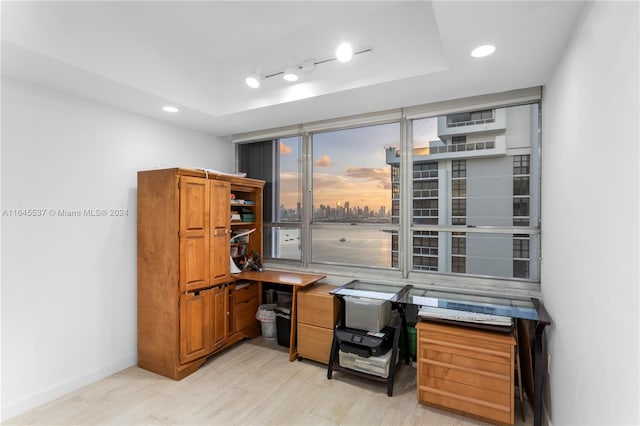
(252, 383)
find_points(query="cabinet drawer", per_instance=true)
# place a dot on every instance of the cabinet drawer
(460, 403)
(245, 314)
(317, 307)
(314, 342)
(480, 379)
(465, 391)
(478, 361)
(481, 344)
(245, 293)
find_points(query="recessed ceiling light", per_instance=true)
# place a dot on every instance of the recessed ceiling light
(482, 51)
(169, 108)
(344, 53)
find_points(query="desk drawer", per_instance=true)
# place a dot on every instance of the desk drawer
(470, 376)
(314, 342)
(459, 402)
(245, 293)
(464, 358)
(491, 346)
(245, 313)
(317, 307)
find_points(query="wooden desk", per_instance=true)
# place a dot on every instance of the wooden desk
(296, 280)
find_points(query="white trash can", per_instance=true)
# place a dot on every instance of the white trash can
(267, 316)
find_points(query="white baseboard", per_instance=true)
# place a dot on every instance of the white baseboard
(15, 408)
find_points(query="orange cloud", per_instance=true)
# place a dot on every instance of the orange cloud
(380, 176)
(324, 161)
(285, 149)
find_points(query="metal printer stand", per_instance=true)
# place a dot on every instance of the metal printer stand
(399, 325)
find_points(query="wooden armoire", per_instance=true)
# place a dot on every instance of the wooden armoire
(189, 304)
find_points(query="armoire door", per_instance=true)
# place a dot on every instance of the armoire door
(219, 315)
(194, 233)
(220, 233)
(195, 325)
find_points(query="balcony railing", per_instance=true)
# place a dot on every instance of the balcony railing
(459, 147)
(471, 122)
(443, 149)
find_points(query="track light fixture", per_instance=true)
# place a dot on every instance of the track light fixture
(253, 80)
(344, 52)
(291, 73)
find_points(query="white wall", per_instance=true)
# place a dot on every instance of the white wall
(590, 221)
(69, 283)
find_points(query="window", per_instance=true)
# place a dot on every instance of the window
(459, 140)
(470, 118)
(278, 162)
(521, 210)
(484, 184)
(353, 192)
(336, 196)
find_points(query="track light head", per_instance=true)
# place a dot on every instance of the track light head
(290, 74)
(344, 52)
(253, 80)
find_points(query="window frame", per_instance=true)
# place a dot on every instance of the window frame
(404, 273)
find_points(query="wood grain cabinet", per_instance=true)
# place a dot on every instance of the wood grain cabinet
(317, 314)
(186, 294)
(466, 370)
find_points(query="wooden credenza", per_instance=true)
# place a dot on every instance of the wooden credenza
(317, 314)
(189, 305)
(466, 370)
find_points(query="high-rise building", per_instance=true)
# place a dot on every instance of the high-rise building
(481, 171)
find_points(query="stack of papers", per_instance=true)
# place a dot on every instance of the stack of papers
(456, 315)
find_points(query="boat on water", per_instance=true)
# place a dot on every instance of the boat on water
(342, 240)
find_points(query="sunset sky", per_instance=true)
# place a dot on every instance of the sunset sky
(349, 165)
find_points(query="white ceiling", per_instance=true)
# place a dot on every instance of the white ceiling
(195, 55)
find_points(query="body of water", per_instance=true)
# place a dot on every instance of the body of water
(350, 245)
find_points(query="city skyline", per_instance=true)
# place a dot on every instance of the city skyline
(348, 165)
(342, 210)
(348, 162)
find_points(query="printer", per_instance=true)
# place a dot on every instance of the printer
(365, 343)
(366, 332)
